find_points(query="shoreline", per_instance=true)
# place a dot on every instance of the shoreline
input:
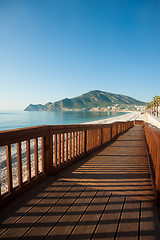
(130, 116)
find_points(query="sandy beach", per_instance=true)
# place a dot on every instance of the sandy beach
(130, 116)
(154, 121)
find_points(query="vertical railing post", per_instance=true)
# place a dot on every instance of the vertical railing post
(79, 143)
(19, 163)
(36, 156)
(59, 149)
(43, 154)
(85, 141)
(9, 168)
(67, 147)
(70, 145)
(111, 131)
(63, 148)
(101, 135)
(48, 152)
(28, 160)
(116, 129)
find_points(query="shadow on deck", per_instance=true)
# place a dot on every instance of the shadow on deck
(106, 196)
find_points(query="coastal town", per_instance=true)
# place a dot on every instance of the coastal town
(118, 108)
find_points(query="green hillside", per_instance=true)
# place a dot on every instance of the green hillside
(92, 99)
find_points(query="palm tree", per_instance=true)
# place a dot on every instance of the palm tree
(156, 101)
(150, 107)
(154, 104)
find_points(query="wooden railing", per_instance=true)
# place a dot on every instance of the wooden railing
(153, 143)
(31, 154)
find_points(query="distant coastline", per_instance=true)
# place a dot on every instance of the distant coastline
(83, 110)
(93, 101)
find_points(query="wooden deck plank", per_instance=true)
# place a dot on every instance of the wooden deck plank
(45, 224)
(31, 212)
(149, 224)
(12, 216)
(129, 222)
(89, 220)
(66, 224)
(110, 219)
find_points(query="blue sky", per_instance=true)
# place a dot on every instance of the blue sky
(52, 49)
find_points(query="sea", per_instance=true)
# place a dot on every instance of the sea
(21, 119)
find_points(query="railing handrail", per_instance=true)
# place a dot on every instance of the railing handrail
(12, 136)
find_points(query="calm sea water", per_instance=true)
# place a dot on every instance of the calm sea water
(21, 119)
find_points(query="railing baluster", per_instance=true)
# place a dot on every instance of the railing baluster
(59, 149)
(88, 140)
(79, 142)
(43, 154)
(97, 137)
(70, 146)
(66, 147)
(62, 148)
(36, 156)
(28, 161)
(76, 153)
(73, 145)
(92, 139)
(9, 168)
(19, 164)
(84, 142)
(102, 135)
(82, 136)
(55, 150)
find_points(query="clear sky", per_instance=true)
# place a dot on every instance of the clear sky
(53, 49)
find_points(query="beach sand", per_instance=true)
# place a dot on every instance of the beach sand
(130, 116)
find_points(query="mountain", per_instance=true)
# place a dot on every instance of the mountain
(94, 99)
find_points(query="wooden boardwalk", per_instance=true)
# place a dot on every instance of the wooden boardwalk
(106, 196)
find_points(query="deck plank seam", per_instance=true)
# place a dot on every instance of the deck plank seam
(64, 212)
(139, 222)
(23, 202)
(119, 220)
(46, 211)
(30, 209)
(109, 197)
(82, 214)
